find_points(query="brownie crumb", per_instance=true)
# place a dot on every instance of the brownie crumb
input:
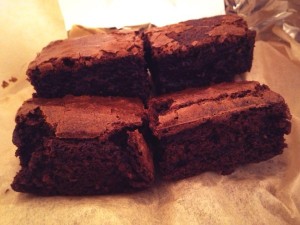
(4, 84)
(13, 79)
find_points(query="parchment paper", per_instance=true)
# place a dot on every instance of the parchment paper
(265, 193)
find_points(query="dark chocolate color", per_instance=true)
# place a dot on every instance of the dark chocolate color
(198, 52)
(81, 146)
(101, 64)
(217, 128)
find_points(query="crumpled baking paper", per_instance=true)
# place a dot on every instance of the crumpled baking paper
(261, 194)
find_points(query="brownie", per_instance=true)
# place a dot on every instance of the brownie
(198, 52)
(81, 146)
(101, 64)
(217, 128)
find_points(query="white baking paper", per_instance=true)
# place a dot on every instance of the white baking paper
(120, 13)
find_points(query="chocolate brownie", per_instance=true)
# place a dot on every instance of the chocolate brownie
(198, 52)
(101, 64)
(81, 146)
(217, 128)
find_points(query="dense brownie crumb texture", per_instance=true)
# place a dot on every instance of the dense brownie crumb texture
(197, 53)
(81, 145)
(108, 108)
(218, 128)
(101, 64)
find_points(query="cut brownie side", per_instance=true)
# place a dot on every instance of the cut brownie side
(217, 128)
(81, 146)
(102, 64)
(198, 52)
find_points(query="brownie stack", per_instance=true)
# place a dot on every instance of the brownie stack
(77, 136)
(102, 100)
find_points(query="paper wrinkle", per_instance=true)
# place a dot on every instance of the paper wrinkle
(264, 193)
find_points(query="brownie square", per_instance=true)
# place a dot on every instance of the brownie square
(198, 52)
(81, 146)
(101, 64)
(217, 128)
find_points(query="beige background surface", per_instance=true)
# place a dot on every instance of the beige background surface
(265, 193)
